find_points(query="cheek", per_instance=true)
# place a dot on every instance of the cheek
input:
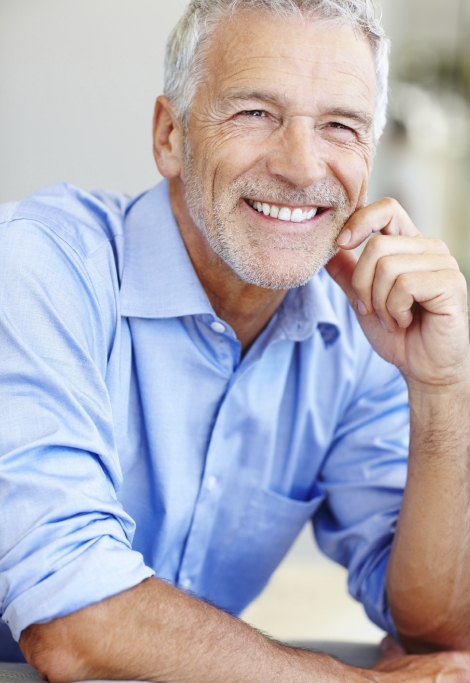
(353, 172)
(230, 155)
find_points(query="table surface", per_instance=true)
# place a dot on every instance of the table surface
(357, 654)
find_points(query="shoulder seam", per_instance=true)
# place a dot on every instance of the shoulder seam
(83, 256)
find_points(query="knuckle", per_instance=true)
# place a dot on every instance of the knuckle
(453, 264)
(403, 282)
(453, 657)
(460, 279)
(359, 285)
(374, 246)
(455, 280)
(392, 203)
(457, 659)
(437, 246)
(384, 268)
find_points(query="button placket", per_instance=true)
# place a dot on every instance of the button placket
(209, 499)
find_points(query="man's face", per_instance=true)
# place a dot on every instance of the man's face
(279, 144)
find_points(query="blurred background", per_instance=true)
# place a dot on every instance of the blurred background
(78, 80)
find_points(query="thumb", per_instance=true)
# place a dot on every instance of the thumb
(341, 269)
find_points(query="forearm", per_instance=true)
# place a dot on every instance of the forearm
(155, 632)
(428, 582)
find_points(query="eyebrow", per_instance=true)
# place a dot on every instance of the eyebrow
(257, 95)
(361, 117)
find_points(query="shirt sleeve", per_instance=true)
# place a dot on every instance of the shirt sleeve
(364, 478)
(66, 540)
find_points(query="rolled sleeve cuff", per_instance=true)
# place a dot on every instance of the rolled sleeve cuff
(375, 600)
(102, 570)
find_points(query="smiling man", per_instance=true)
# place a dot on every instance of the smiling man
(184, 385)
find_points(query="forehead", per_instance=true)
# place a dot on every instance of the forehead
(303, 59)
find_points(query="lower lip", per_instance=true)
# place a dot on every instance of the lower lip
(286, 226)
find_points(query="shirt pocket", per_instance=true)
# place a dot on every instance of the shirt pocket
(254, 543)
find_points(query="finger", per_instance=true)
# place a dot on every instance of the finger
(341, 268)
(441, 293)
(381, 246)
(391, 649)
(386, 216)
(389, 268)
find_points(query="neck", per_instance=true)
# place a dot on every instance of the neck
(245, 307)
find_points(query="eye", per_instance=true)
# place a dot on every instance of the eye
(254, 112)
(339, 126)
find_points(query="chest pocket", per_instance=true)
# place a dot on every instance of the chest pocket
(251, 544)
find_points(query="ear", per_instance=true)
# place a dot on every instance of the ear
(167, 138)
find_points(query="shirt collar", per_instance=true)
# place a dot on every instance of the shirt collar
(159, 280)
(308, 308)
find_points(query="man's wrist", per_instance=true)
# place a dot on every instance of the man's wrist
(457, 386)
(440, 410)
(439, 428)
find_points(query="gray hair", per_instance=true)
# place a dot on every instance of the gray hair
(184, 56)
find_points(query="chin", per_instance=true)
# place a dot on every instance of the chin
(281, 269)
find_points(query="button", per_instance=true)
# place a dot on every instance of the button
(218, 327)
(329, 332)
(186, 584)
(211, 482)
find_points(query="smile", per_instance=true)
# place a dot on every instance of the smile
(284, 213)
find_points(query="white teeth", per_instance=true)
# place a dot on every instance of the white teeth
(285, 214)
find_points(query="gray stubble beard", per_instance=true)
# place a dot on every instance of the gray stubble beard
(245, 256)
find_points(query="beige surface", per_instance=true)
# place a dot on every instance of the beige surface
(307, 599)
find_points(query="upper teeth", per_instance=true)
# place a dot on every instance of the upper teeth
(283, 213)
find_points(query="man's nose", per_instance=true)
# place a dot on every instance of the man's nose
(296, 157)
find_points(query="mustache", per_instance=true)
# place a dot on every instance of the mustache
(327, 192)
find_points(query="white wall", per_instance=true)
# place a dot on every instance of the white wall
(78, 81)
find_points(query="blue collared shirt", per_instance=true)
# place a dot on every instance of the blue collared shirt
(135, 439)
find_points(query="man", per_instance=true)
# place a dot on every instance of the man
(182, 362)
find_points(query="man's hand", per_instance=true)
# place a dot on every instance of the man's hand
(408, 293)
(411, 302)
(442, 667)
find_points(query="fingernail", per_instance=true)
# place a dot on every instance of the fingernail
(361, 307)
(344, 238)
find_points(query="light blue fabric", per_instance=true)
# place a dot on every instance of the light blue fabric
(135, 440)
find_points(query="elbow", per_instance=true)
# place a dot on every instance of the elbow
(422, 631)
(429, 616)
(45, 647)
